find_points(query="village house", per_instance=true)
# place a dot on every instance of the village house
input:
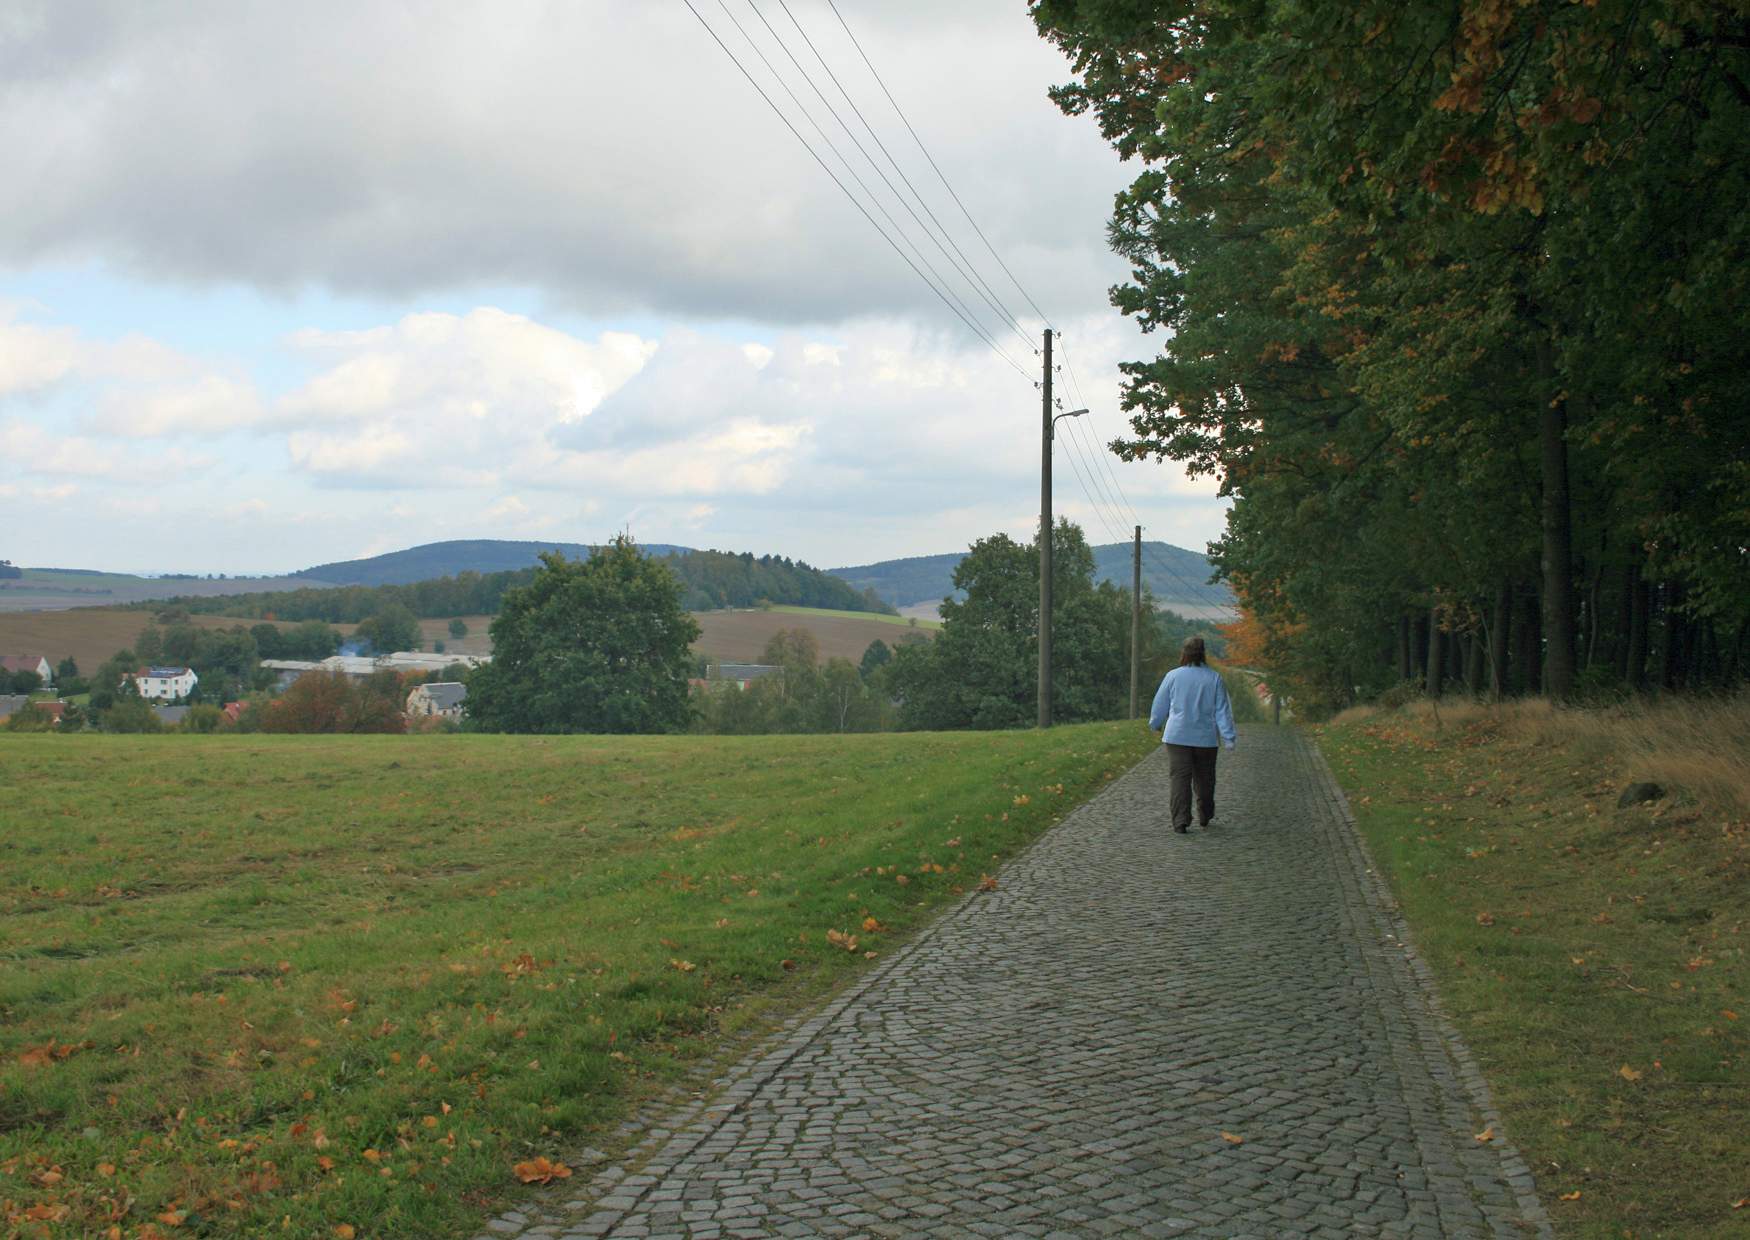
(29, 663)
(741, 675)
(165, 684)
(442, 700)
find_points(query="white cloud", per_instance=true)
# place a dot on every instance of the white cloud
(608, 155)
(31, 357)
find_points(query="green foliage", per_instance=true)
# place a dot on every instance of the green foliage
(131, 713)
(804, 697)
(597, 645)
(30, 718)
(458, 627)
(325, 702)
(67, 669)
(21, 681)
(1451, 304)
(202, 718)
(392, 627)
(981, 671)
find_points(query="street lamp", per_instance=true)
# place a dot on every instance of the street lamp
(1045, 553)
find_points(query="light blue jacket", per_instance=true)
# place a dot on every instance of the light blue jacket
(1192, 704)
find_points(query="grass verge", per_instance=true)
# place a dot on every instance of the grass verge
(309, 984)
(1592, 956)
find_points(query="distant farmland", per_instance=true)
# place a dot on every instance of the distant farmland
(92, 634)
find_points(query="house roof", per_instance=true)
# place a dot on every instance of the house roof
(445, 694)
(165, 673)
(22, 662)
(170, 714)
(746, 671)
(12, 703)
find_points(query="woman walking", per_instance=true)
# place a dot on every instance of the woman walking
(1192, 709)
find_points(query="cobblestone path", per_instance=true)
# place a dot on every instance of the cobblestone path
(1138, 1034)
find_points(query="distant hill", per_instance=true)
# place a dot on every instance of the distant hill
(446, 559)
(1179, 579)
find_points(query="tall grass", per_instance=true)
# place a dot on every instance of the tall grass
(1700, 746)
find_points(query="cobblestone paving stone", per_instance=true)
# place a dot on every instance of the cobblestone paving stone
(1067, 1055)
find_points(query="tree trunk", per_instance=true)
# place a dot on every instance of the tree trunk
(1671, 655)
(1625, 620)
(1473, 665)
(1418, 648)
(1640, 602)
(1498, 639)
(1529, 656)
(1557, 520)
(1436, 654)
(1592, 613)
(1403, 646)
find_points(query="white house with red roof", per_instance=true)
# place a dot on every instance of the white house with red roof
(165, 684)
(28, 663)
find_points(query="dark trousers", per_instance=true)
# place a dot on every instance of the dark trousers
(1188, 766)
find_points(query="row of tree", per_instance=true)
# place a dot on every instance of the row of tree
(603, 645)
(708, 579)
(1454, 306)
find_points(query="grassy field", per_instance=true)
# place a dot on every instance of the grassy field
(878, 617)
(295, 983)
(89, 634)
(742, 635)
(57, 588)
(1592, 956)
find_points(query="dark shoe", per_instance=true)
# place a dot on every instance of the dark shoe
(1205, 822)
(1182, 830)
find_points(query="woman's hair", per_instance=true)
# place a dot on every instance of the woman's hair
(1191, 653)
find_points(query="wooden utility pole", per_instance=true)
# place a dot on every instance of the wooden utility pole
(1135, 619)
(1045, 544)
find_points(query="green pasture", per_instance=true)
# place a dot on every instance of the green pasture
(290, 983)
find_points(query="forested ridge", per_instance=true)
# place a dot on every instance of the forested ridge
(1454, 305)
(709, 580)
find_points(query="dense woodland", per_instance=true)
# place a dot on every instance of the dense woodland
(709, 580)
(1451, 300)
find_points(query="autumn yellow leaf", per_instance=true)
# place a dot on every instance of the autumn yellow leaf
(105, 1169)
(1487, 1134)
(344, 1231)
(172, 1218)
(1573, 1196)
(1485, 919)
(682, 966)
(373, 1156)
(1629, 1074)
(987, 882)
(1232, 1138)
(541, 1171)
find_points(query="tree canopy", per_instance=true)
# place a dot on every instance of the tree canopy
(1453, 299)
(596, 645)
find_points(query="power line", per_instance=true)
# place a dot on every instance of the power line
(965, 264)
(976, 330)
(938, 171)
(843, 159)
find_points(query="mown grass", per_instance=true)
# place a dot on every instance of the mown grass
(1593, 957)
(300, 984)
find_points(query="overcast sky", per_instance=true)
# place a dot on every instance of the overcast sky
(282, 284)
